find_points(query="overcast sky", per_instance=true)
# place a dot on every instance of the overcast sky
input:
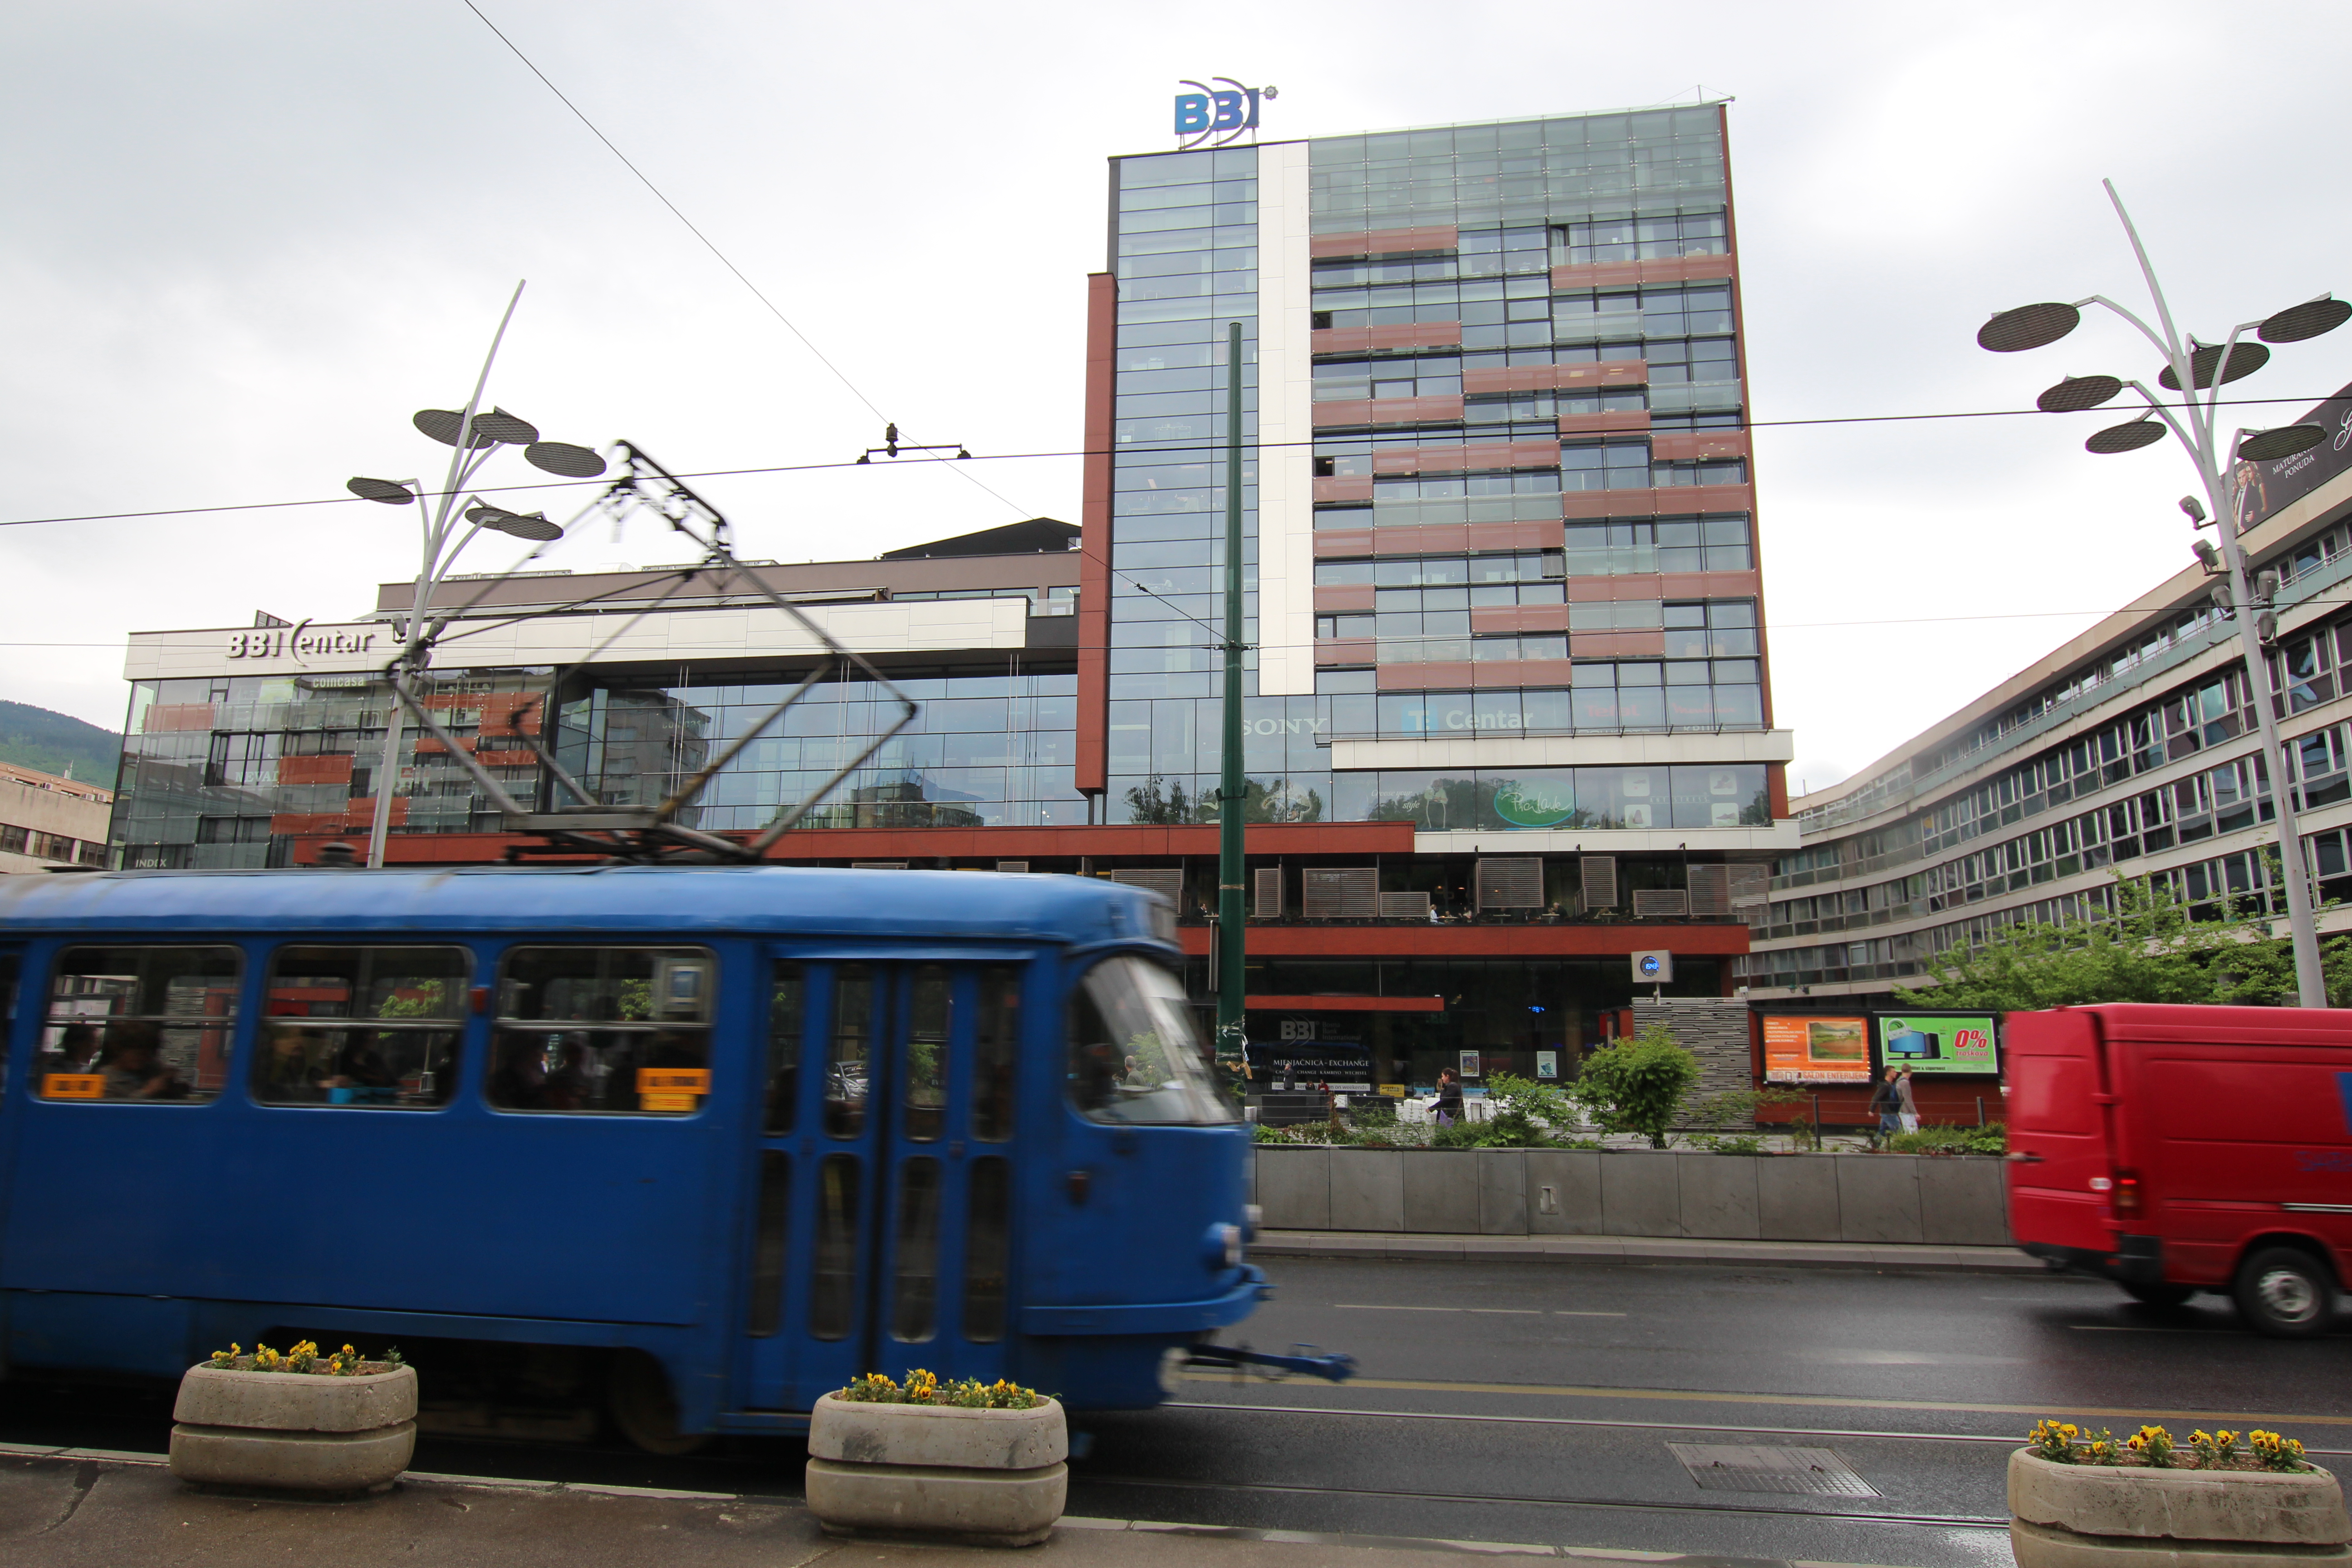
(242, 242)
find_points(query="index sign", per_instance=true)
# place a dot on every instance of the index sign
(1215, 116)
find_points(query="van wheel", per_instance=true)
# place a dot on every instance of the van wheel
(2285, 1293)
(2159, 1295)
(644, 1409)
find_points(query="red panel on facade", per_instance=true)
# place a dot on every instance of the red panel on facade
(1657, 269)
(1348, 486)
(984, 845)
(1350, 596)
(1384, 242)
(1458, 460)
(1093, 762)
(1490, 379)
(1706, 585)
(325, 770)
(1372, 340)
(1675, 500)
(1697, 446)
(162, 717)
(1388, 411)
(1480, 941)
(1519, 618)
(1448, 676)
(1345, 1004)
(1620, 422)
(1620, 645)
(1342, 542)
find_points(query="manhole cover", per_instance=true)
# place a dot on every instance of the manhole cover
(1761, 1468)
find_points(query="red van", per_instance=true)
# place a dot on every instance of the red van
(2178, 1149)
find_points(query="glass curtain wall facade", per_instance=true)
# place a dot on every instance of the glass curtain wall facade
(1530, 510)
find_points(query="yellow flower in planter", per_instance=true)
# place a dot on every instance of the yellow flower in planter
(2275, 1452)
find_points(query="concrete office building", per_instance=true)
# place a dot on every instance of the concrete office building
(1509, 664)
(2132, 751)
(50, 820)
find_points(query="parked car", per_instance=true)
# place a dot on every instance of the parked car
(2179, 1149)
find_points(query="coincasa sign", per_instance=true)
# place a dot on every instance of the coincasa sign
(1211, 116)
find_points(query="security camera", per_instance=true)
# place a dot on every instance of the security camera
(2207, 556)
(2194, 507)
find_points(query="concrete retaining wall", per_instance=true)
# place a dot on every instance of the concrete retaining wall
(1937, 1200)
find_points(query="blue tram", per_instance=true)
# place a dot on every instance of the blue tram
(724, 1137)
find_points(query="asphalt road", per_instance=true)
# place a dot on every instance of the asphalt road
(1536, 1403)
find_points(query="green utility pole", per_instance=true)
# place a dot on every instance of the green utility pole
(1232, 1036)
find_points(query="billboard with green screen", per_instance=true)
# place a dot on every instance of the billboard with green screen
(1950, 1043)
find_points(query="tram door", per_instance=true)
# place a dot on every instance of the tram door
(883, 1235)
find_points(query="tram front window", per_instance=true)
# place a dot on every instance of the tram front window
(1134, 1057)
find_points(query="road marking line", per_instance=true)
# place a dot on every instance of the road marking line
(1564, 1312)
(1495, 1311)
(1812, 1401)
(2141, 1328)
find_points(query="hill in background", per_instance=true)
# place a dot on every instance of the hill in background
(51, 742)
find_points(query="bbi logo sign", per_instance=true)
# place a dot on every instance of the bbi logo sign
(1215, 116)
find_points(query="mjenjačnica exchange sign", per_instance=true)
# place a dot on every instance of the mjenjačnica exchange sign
(1214, 116)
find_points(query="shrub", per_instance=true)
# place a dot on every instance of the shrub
(1638, 1086)
(1992, 1139)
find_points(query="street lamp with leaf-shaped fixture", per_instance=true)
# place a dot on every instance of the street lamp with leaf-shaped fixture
(2192, 368)
(474, 436)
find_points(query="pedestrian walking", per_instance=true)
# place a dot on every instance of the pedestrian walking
(1886, 1104)
(1448, 1108)
(1909, 1104)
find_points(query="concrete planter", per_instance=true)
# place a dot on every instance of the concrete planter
(2082, 1516)
(1943, 1201)
(287, 1431)
(991, 1476)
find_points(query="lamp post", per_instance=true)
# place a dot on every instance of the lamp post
(473, 438)
(2191, 367)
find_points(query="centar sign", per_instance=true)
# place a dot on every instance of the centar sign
(1215, 116)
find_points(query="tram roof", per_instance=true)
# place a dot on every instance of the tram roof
(671, 900)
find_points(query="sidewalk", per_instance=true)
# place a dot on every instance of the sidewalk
(1642, 1249)
(87, 1508)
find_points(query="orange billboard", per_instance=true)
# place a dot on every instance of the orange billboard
(1801, 1049)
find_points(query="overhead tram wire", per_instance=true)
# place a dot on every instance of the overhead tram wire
(960, 465)
(708, 244)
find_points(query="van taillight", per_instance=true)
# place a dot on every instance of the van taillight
(2127, 1193)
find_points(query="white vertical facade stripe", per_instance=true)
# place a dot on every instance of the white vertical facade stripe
(1285, 424)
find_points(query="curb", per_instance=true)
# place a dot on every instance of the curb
(1389, 1245)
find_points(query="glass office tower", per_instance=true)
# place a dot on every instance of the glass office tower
(1499, 488)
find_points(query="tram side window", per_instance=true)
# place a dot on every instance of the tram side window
(930, 1024)
(786, 1000)
(999, 1048)
(1134, 1055)
(603, 1030)
(147, 1024)
(362, 1025)
(845, 1076)
(8, 963)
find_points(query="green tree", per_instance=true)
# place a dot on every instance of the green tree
(2154, 947)
(1638, 1086)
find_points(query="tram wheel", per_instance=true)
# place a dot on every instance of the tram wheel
(644, 1409)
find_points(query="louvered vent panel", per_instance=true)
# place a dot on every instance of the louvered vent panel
(1656, 904)
(1012, 865)
(1598, 873)
(1168, 882)
(1267, 895)
(1512, 883)
(1404, 906)
(877, 864)
(1751, 882)
(1710, 890)
(1339, 893)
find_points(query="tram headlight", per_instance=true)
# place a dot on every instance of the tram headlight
(1224, 1250)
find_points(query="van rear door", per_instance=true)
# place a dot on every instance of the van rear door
(2057, 1137)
